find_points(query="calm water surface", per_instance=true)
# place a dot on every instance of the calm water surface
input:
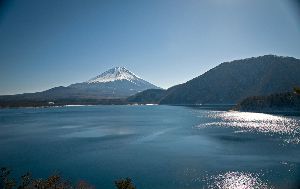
(157, 146)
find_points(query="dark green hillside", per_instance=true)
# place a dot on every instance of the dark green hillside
(150, 96)
(275, 102)
(230, 82)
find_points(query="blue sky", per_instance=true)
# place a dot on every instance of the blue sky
(48, 43)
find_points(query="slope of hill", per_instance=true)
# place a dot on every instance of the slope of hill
(230, 82)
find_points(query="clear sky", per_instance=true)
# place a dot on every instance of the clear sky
(48, 43)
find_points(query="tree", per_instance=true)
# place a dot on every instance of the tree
(124, 184)
(5, 181)
(25, 181)
(54, 181)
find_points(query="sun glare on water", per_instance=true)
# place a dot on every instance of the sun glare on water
(236, 180)
(257, 122)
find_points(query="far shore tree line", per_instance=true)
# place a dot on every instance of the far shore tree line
(55, 181)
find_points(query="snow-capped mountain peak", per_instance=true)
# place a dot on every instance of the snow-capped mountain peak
(114, 74)
(117, 82)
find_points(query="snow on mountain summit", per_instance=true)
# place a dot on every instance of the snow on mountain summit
(117, 82)
(117, 73)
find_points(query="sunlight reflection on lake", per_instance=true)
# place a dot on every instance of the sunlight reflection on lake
(257, 122)
(237, 180)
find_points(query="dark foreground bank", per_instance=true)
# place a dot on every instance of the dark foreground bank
(55, 181)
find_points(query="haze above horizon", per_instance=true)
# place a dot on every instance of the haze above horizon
(49, 43)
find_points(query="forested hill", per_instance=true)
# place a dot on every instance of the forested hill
(272, 103)
(230, 82)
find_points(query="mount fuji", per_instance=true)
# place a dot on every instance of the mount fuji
(116, 83)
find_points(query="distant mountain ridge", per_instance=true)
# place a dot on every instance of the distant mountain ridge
(115, 83)
(230, 82)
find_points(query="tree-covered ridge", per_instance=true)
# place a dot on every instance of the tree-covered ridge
(230, 82)
(150, 96)
(289, 101)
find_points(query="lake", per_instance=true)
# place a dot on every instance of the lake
(163, 147)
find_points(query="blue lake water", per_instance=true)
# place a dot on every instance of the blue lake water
(157, 146)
